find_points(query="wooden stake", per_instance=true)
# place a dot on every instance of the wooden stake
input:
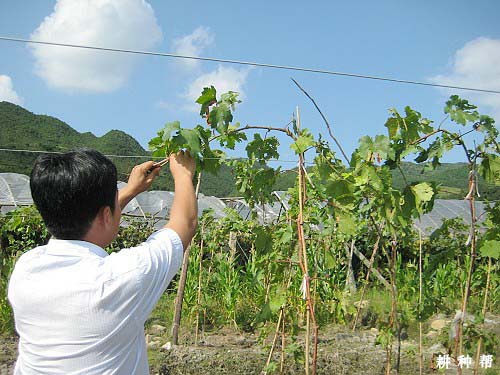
(283, 343)
(485, 304)
(182, 284)
(278, 326)
(420, 349)
(198, 297)
(310, 318)
(472, 208)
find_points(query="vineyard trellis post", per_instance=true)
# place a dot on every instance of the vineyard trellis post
(182, 284)
(306, 287)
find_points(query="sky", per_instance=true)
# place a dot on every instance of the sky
(452, 42)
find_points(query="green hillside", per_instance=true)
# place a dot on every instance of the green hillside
(452, 178)
(21, 129)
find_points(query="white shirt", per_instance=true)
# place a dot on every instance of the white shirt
(79, 311)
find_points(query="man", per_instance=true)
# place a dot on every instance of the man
(78, 310)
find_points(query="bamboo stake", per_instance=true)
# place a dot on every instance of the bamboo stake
(182, 285)
(310, 318)
(283, 343)
(302, 251)
(420, 350)
(278, 326)
(198, 297)
(485, 304)
(392, 321)
(470, 198)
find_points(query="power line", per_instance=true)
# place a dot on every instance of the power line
(250, 63)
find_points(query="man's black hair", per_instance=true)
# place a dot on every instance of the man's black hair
(69, 189)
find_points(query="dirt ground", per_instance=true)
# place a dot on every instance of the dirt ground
(227, 351)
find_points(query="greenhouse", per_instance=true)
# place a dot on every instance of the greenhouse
(15, 192)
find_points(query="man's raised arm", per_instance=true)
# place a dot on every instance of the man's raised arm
(184, 211)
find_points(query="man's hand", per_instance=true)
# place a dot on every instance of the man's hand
(140, 179)
(182, 164)
(184, 212)
(142, 176)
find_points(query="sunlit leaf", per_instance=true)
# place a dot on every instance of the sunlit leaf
(490, 249)
(302, 143)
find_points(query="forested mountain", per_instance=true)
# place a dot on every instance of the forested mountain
(23, 130)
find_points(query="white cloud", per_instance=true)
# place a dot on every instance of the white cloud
(7, 92)
(477, 64)
(128, 24)
(192, 45)
(223, 79)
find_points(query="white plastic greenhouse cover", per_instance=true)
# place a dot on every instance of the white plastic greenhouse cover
(158, 203)
(448, 209)
(15, 190)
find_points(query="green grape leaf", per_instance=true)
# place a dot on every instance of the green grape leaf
(329, 260)
(490, 168)
(486, 125)
(423, 192)
(383, 147)
(460, 110)
(211, 160)
(408, 128)
(365, 148)
(378, 149)
(169, 128)
(263, 240)
(230, 138)
(338, 188)
(220, 117)
(346, 224)
(230, 98)
(206, 99)
(303, 142)
(284, 236)
(189, 139)
(418, 199)
(263, 149)
(264, 314)
(435, 151)
(490, 248)
(277, 299)
(392, 126)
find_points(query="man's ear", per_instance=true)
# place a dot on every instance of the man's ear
(107, 215)
(104, 216)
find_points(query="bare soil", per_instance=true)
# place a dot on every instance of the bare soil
(227, 351)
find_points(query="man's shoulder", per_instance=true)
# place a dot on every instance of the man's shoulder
(162, 244)
(31, 254)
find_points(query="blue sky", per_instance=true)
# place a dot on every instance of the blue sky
(450, 42)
